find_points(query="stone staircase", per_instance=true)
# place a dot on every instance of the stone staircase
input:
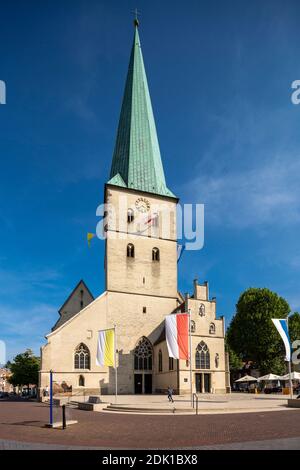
(148, 410)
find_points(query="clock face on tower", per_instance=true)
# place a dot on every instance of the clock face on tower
(142, 204)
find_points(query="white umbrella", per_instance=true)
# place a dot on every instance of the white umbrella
(269, 377)
(247, 378)
(294, 376)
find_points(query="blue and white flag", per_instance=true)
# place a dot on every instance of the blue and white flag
(180, 250)
(282, 327)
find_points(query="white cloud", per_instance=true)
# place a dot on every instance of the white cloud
(17, 282)
(268, 193)
(25, 327)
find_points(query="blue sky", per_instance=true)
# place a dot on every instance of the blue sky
(220, 75)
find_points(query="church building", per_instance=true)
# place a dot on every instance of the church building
(140, 278)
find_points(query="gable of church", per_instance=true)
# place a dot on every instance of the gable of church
(79, 298)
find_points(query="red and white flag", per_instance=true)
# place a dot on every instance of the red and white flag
(177, 335)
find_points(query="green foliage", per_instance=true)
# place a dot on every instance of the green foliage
(251, 333)
(235, 361)
(294, 326)
(25, 369)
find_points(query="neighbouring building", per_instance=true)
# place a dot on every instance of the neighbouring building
(5, 386)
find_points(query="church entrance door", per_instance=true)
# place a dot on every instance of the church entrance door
(207, 383)
(138, 383)
(148, 383)
(143, 360)
(203, 383)
(142, 383)
(198, 383)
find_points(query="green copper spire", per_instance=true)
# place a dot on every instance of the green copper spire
(136, 161)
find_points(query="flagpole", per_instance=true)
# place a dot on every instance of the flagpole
(290, 365)
(116, 365)
(290, 379)
(51, 397)
(190, 356)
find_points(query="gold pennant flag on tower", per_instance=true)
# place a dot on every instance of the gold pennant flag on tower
(90, 236)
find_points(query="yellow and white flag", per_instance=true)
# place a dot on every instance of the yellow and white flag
(106, 348)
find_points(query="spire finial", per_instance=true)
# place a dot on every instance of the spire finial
(136, 19)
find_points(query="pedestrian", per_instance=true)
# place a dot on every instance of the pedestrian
(170, 393)
(46, 391)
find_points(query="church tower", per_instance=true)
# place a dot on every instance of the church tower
(141, 248)
(141, 239)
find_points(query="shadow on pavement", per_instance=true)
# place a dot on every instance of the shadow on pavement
(36, 424)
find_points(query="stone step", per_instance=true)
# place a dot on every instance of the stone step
(127, 409)
(72, 405)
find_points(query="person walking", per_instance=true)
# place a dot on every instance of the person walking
(170, 393)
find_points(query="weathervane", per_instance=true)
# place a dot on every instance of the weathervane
(136, 19)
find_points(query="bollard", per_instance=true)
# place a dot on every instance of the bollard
(64, 424)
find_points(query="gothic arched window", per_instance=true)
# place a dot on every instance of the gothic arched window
(202, 357)
(212, 329)
(193, 326)
(130, 216)
(143, 355)
(82, 357)
(155, 254)
(160, 361)
(130, 250)
(81, 381)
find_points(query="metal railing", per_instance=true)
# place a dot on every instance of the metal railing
(195, 400)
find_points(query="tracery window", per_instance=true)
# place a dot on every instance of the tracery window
(202, 358)
(143, 355)
(82, 357)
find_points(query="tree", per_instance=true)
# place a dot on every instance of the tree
(24, 369)
(294, 326)
(294, 331)
(251, 333)
(235, 361)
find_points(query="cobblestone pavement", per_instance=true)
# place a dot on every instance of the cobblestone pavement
(24, 422)
(292, 443)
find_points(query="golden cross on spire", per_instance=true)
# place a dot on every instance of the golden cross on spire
(136, 19)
